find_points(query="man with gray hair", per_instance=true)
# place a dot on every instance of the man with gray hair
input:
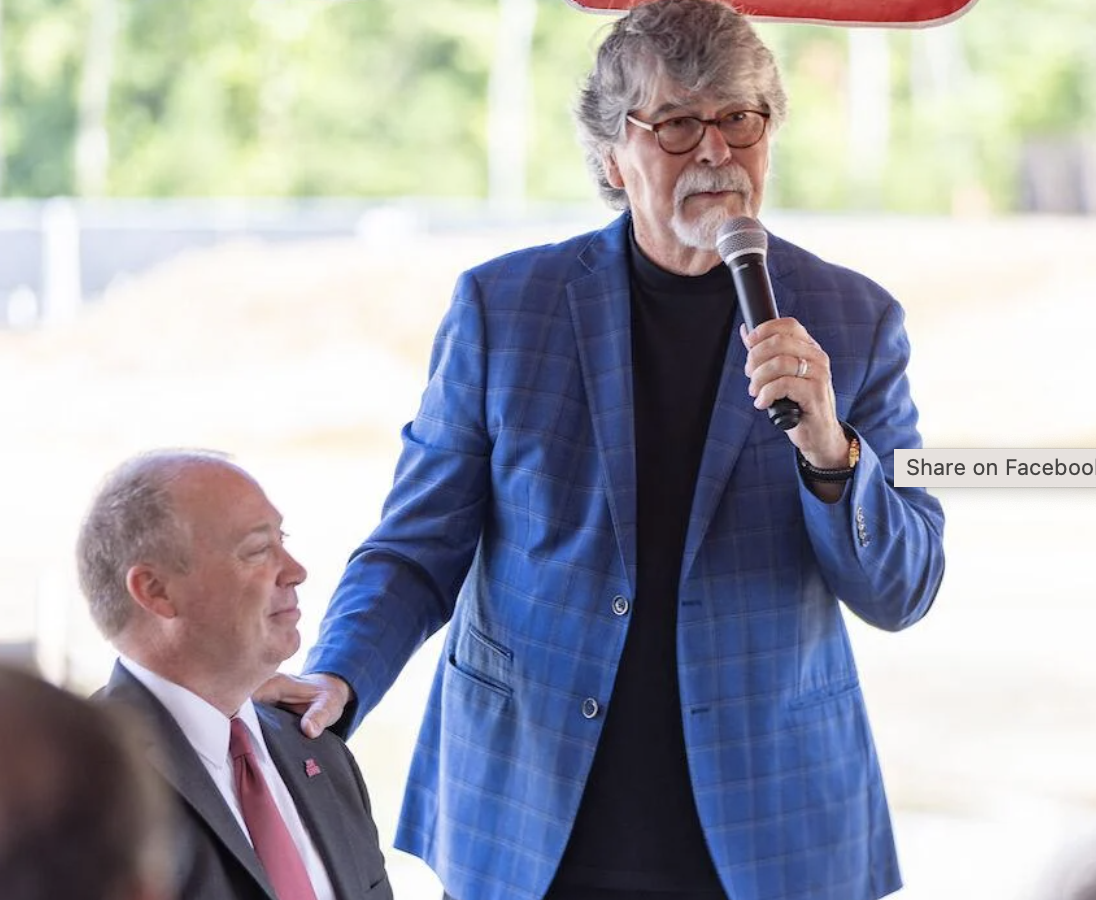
(183, 562)
(647, 689)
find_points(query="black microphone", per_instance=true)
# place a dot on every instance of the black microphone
(743, 244)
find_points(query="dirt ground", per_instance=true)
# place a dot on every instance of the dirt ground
(305, 360)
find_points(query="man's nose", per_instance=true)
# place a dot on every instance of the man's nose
(713, 148)
(293, 573)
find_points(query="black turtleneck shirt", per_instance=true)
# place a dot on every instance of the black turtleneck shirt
(637, 827)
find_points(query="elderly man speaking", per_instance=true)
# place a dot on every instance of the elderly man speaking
(647, 689)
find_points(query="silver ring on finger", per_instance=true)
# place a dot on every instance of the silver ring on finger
(803, 369)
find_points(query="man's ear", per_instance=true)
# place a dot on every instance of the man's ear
(612, 170)
(148, 589)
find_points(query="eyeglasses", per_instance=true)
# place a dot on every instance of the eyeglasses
(740, 129)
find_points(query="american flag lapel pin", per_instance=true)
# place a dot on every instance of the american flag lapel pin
(311, 768)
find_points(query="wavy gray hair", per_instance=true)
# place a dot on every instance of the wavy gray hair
(700, 46)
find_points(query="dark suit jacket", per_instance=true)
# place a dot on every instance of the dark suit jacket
(216, 861)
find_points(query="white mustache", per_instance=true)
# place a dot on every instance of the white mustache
(703, 181)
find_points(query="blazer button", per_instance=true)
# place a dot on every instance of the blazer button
(621, 605)
(589, 707)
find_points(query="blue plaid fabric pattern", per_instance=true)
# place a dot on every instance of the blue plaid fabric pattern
(513, 514)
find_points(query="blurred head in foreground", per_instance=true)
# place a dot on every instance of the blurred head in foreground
(81, 815)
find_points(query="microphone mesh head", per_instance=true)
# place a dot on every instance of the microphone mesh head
(741, 235)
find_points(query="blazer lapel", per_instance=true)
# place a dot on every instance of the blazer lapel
(171, 754)
(782, 273)
(315, 798)
(601, 313)
(733, 416)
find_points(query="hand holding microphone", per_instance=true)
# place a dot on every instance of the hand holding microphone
(743, 244)
(822, 441)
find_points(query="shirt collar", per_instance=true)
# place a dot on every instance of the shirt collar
(205, 726)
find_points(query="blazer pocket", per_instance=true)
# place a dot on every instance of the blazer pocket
(379, 890)
(828, 693)
(482, 660)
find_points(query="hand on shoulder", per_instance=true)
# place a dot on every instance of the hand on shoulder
(318, 698)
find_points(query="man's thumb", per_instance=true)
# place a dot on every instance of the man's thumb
(312, 723)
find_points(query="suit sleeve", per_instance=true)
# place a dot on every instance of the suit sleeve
(401, 584)
(881, 547)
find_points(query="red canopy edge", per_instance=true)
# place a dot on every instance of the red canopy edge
(880, 13)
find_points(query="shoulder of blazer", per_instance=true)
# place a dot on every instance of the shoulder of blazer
(284, 728)
(799, 271)
(573, 257)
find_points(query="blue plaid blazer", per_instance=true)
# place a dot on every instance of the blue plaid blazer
(513, 514)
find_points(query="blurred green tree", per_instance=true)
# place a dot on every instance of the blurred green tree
(41, 44)
(383, 98)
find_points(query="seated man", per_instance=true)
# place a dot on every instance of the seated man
(181, 557)
(81, 815)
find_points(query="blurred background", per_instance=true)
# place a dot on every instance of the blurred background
(236, 225)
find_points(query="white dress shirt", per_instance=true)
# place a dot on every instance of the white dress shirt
(207, 729)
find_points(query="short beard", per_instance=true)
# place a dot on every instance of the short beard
(701, 232)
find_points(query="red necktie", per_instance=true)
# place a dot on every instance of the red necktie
(270, 837)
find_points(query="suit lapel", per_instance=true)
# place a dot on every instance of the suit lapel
(313, 794)
(600, 303)
(171, 754)
(733, 416)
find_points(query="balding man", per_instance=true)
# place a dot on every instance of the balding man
(183, 562)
